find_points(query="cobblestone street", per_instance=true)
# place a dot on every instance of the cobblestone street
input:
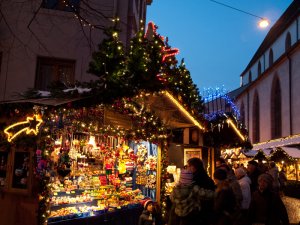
(293, 208)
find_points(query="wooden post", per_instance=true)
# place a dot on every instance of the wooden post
(158, 173)
(296, 165)
(208, 161)
(212, 161)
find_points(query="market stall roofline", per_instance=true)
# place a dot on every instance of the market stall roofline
(293, 152)
(168, 109)
(45, 101)
(171, 111)
(290, 140)
(110, 116)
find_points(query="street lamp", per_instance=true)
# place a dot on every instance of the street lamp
(263, 23)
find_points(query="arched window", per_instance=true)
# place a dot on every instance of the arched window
(276, 109)
(242, 114)
(259, 69)
(255, 127)
(250, 77)
(288, 41)
(271, 58)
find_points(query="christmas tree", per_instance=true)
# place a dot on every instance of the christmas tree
(109, 64)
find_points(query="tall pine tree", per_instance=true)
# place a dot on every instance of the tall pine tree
(109, 64)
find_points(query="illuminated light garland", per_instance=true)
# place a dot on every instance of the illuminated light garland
(220, 93)
(279, 142)
(168, 52)
(229, 121)
(182, 109)
(35, 121)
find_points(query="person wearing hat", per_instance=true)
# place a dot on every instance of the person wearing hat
(244, 182)
(253, 173)
(225, 203)
(149, 215)
(266, 206)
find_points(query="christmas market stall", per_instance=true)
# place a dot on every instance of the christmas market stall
(89, 153)
(225, 137)
(288, 159)
(89, 160)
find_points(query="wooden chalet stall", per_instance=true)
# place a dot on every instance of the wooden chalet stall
(86, 164)
(226, 139)
(285, 152)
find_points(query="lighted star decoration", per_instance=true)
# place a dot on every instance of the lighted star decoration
(167, 51)
(31, 125)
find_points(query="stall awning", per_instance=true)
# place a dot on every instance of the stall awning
(110, 117)
(292, 152)
(45, 101)
(290, 140)
(171, 111)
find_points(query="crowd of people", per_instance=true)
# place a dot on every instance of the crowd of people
(233, 196)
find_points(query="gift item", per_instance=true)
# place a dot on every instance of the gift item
(129, 166)
(150, 163)
(122, 167)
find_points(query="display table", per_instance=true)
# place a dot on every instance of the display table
(117, 217)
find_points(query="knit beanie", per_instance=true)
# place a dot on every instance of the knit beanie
(266, 177)
(186, 177)
(220, 174)
(253, 162)
(147, 202)
(240, 172)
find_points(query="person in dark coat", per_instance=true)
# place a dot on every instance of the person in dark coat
(149, 215)
(225, 203)
(253, 173)
(266, 206)
(202, 180)
(200, 176)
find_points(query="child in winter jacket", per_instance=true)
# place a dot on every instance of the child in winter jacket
(149, 216)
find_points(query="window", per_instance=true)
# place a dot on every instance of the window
(259, 69)
(271, 58)
(50, 70)
(63, 5)
(276, 109)
(255, 128)
(288, 41)
(250, 77)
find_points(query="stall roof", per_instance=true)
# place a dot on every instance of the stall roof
(290, 140)
(44, 101)
(171, 111)
(250, 153)
(110, 117)
(292, 151)
(165, 106)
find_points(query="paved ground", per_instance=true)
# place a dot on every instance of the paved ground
(293, 207)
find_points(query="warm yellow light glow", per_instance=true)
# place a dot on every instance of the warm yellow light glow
(32, 126)
(92, 141)
(263, 23)
(196, 123)
(235, 128)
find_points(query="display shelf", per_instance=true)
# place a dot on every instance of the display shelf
(59, 206)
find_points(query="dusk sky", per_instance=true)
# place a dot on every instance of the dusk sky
(216, 42)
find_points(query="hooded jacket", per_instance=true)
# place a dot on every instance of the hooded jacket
(147, 219)
(188, 198)
(245, 183)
